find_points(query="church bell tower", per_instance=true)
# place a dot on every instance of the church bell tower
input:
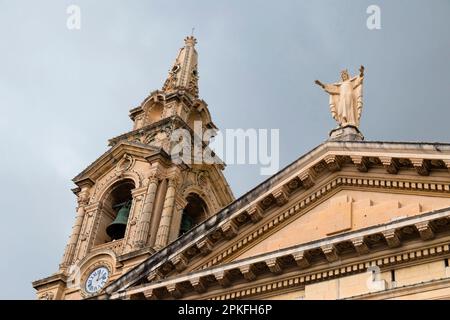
(136, 198)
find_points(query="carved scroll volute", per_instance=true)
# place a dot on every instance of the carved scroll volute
(83, 197)
(154, 176)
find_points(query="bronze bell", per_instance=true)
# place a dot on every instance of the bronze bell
(187, 223)
(116, 230)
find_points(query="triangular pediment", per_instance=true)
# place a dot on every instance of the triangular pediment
(347, 210)
(337, 188)
(111, 157)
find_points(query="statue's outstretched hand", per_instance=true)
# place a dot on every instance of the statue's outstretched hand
(319, 83)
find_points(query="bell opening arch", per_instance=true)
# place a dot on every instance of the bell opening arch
(114, 212)
(195, 211)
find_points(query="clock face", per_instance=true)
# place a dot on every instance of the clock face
(97, 280)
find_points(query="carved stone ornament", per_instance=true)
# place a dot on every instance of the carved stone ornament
(83, 199)
(202, 179)
(84, 236)
(126, 163)
(174, 181)
(154, 176)
(47, 296)
(150, 138)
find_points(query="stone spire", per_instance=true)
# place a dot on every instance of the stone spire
(184, 75)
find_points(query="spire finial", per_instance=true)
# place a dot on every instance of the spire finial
(184, 73)
(190, 41)
(192, 32)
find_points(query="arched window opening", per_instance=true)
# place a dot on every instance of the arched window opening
(194, 213)
(154, 114)
(194, 116)
(115, 211)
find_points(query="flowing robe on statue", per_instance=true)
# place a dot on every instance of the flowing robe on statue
(346, 101)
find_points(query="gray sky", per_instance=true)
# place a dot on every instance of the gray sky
(64, 93)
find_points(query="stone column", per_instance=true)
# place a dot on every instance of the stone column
(83, 199)
(162, 236)
(92, 213)
(143, 226)
(136, 208)
(180, 204)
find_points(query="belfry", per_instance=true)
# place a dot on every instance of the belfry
(133, 200)
(351, 219)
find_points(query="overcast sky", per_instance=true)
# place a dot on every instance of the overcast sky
(64, 93)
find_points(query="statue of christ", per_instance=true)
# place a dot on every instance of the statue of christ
(346, 98)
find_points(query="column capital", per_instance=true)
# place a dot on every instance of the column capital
(154, 176)
(173, 182)
(81, 203)
(83, 198)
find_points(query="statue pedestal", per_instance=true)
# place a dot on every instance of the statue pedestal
(347, 133)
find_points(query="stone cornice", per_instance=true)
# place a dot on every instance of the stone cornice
(303, 174)
(406, 290)
(161, 123)
(177, 122)
(58, 277)
(291, 283)
(141, 252)
(323, 271)
(115, 152)
(161, 96)
(335, 185)
(155, 95)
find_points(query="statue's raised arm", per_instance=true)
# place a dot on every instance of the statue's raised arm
(358, 80)
(329, 88)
